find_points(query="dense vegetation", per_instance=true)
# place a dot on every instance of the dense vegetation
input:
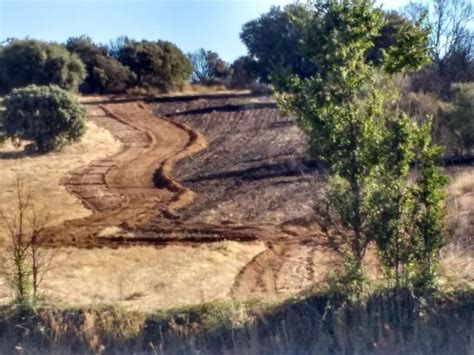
(104, 73)
(47, 115)
(25, 62)
(80, 64)
(158, 64)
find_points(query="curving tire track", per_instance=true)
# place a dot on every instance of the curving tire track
(135, 191)
(136, 184)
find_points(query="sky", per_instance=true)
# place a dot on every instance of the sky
(191, 24)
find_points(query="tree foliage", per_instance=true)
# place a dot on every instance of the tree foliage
(104, 74)
(208, 67)
(25, 62)
(355, 127)
(48, 115)
(274, 40)
(160, 64)
(243, 72)
(459, 120)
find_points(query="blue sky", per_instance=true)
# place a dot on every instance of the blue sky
(191, 24)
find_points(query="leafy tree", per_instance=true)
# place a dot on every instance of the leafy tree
(357, 130)
(159, 64)
(48, 115)
(460, 119)
(24, 62)
(243, 72)
(208, 67)
(393, 23)
(274, 40)
(104, 74)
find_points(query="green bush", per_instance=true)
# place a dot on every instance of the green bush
(243, 72)
(159, 64)
(47, 115)
(25, 62)
(104, 74)
(460, 119)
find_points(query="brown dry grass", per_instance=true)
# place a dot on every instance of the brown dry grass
(42, 174)
(145, 278)
(457, 261)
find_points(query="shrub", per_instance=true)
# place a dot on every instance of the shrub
(460, 120)
(208, 67)
(104, 74)
(160, 64)
(244, 72)
(25, 62)
(48, 115)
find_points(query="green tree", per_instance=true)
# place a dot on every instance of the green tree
(104, 74)
(243, 72)
(25, 62)
(274, 41)
(48, 115)
(160, 64)
(357, 130)
(208, 67)
(459, 120)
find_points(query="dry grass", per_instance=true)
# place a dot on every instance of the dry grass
(42, 174)
(457, 262)
(146, 278)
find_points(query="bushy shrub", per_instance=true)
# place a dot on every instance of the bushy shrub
(208, 67)
(243, 73)
(104, 74)
(47, 115)
(25, 62)
(159, 64)
(459, 120)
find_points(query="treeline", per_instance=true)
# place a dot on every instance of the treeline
(278, 42)
(82, 65)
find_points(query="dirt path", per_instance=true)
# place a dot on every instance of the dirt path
(136, 201)
(128, 189)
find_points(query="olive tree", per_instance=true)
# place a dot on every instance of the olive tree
(25, 62)
(47, 115)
